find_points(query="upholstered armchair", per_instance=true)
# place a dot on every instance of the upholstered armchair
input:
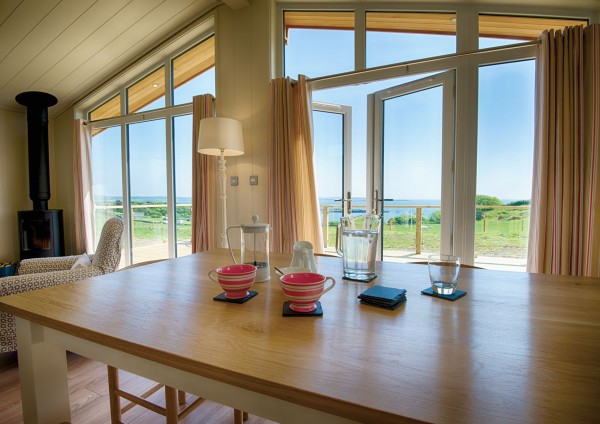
(33, 274)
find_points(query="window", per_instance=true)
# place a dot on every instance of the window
(313, 38)
(504, 163)
(500, 30)
(394, 37)
(407, 155)
(149, 186)
(194, 72)
(148, 93)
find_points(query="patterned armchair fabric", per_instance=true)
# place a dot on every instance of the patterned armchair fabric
(38, 273)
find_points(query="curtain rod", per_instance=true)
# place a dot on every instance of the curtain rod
(422, 61)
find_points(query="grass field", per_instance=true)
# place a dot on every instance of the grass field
(499, 238)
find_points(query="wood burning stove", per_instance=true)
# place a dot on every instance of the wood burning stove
(41, 229)
(41, 233)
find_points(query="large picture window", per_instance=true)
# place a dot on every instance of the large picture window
(141, 154)
(424, 154)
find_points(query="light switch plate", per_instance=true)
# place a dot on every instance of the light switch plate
(253, 179)
(233, 181)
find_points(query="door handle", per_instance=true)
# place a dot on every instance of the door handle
(347, 203)
(377, 201)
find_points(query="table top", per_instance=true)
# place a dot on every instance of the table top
(519, 347)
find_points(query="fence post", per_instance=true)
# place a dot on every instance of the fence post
(325, 225)
(419, 230)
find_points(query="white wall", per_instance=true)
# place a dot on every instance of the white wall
(61, 179)
(14, 180)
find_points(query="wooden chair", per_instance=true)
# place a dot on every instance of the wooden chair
(175, 400)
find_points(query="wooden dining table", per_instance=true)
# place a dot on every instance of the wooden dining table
(517, 348)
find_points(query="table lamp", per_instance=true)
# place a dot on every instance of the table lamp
(221, 137)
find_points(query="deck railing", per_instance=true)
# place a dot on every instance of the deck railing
(326, 209)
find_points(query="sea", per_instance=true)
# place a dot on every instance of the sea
(358, 207)
(335, 213)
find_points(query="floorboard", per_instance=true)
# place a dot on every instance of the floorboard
(88, 391)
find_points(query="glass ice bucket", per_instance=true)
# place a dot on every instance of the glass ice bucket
(357, 241)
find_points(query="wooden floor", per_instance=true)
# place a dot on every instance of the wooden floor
(88, 388)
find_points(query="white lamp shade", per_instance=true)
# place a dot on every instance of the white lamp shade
(217, 135)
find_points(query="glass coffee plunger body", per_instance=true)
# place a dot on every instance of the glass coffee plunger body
(254, 247)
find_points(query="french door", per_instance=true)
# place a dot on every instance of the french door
(410, 166)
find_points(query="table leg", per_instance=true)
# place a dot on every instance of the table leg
(43, 375)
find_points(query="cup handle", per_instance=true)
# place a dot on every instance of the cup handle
(210, 275)
(330, 287)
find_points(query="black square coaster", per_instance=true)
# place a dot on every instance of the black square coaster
(382, 294)
(384, 305)
(221, 297)
(361, 280)
(287, 312)
(456, 295)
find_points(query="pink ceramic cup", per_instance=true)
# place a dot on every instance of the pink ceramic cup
(235, 280)
(303, 289)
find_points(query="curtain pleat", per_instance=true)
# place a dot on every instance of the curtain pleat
(292, 196)
(565, 227)
(203, 181)
(82, 183)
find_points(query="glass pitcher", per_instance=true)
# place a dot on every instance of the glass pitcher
(254, 247)
(357, 241)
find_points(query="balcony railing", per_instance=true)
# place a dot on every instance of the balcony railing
(515, 225)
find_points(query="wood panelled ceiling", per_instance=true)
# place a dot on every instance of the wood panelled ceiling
(69, 47)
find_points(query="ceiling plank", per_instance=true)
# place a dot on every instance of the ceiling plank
(136, 39)
(22, 21)
(61, 48)
(96, 45)
(7, 7)
(41, 36)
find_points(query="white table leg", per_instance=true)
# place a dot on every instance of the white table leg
(43, 374)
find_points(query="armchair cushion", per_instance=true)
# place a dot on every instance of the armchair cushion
(83, 262)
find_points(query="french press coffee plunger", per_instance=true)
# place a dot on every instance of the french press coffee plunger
(254, 247)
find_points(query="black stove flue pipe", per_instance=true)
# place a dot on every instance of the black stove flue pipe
(37, 135)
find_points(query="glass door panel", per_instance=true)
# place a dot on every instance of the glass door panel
(413, 153)
(332, 153)
(148, 190)
(182, 137)
(107, 181)
(504, 164)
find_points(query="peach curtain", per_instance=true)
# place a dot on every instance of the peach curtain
(292, 196)
(565, 213)
(203, 181)
(82, 184)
